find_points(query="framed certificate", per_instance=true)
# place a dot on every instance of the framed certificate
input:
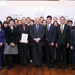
(24, 38)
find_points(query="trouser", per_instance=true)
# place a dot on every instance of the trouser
(73, 58)
(61, 50)
(37, 55)
(23, 52)
(50, 54)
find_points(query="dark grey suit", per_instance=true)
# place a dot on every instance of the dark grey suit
(50, 37)
(62, 40)
(23, 47)
(73, 45)
(37, 47)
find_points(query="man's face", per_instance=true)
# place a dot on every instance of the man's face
(16, 22)
(23, 20)
(70, 24)
(41, 19)
(28, 20)
(37, 21)
(8, 19)
(49, 20)
(55, 19)
(62, 21)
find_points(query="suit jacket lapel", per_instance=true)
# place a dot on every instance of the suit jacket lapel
(50, 28)
(39, 28)
(64, 28)
(59, 28)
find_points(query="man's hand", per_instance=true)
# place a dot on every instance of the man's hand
(56, 45)
(52, 44)
(71, 47)
(37, 40)
(1, 44)
(27, 42)
(68, 45)
(20, 41)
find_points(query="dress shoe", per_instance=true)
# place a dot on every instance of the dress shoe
(12, 66)
(39, 66)
(51, 66)
(58, 67)
(64, 67)
(0, 68)
(26, 65)
(46, 65)
(34, 66)
(21, 66)
(73, 68)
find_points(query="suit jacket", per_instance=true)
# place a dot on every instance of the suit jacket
(72, 41)
(2, 36)
(65, 37)
(50, 35)
(20, 30)
(34, 35)
(11, 36)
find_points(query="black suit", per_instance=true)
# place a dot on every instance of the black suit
(23, 51)
(62, 41)
(13, 36)
(73, 45)
(37, 47)
(50, 37)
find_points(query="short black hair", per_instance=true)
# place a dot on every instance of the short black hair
(62, 17)
(1, 24)
(28, 17)
(49, 17)
(16, 19)
(44, 20)
(12, 20)
(32, 20)
(9, 17)
(41, 17)
(70, 21)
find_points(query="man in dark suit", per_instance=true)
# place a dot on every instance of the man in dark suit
(23, 47)
(63, 38)
(69, 52)
(50, 36)
(73, 47)
(37, 33)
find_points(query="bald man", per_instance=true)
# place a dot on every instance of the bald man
(23, 47)
(55, 19)
(37, 42)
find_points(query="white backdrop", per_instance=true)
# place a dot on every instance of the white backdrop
(22, 11)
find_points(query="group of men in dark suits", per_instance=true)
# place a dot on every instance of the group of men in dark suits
(50, 36)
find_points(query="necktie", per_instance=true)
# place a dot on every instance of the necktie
(48, 27)
(24, 27)
(37, 28)
(61, 28)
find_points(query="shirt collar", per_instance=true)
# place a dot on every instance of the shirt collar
(49, 24)
(37, 25)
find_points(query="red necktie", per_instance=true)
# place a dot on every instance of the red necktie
(24, 26)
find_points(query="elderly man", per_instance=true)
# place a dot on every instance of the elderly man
(23, 47)
(37, 34)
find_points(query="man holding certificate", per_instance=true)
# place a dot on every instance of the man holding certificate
(37, 33)
(23, 32)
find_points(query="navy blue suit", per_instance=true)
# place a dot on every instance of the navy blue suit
(73, 44)
(2, 40)
(50, 37)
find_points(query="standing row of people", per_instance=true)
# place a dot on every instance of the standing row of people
(43, 36)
